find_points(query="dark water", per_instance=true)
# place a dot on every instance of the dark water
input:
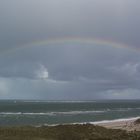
(21, 112)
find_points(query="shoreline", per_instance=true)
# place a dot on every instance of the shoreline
(66, 132)
(127, 124)
(122, 129)
(123, 124)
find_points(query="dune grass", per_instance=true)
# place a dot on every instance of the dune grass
(66, 132)
(137, 121)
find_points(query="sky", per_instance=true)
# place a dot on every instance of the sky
(45, 51)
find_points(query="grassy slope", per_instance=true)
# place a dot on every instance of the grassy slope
(66, 132)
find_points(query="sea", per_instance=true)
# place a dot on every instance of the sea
(41, 112)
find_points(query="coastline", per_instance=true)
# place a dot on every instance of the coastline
(66, 132)
(122, 129)
(127, 124)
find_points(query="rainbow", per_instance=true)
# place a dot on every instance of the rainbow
(91, 41)
(70, 40)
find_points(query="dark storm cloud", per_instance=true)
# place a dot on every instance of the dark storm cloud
(72, 72)
(69, 71)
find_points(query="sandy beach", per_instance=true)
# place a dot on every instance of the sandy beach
(124, 124)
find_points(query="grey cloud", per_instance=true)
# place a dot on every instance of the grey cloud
(87, 71)
(30, 20)
(68, 71)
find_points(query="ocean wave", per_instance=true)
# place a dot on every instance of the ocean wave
(21, 113)
(77, 112)
(125, 109)
(51, 113)
(94, 123)
(115, 120)
(47, 101)
(80, 112)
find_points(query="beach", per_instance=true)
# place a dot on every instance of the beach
(123, 124)
(126, 129)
